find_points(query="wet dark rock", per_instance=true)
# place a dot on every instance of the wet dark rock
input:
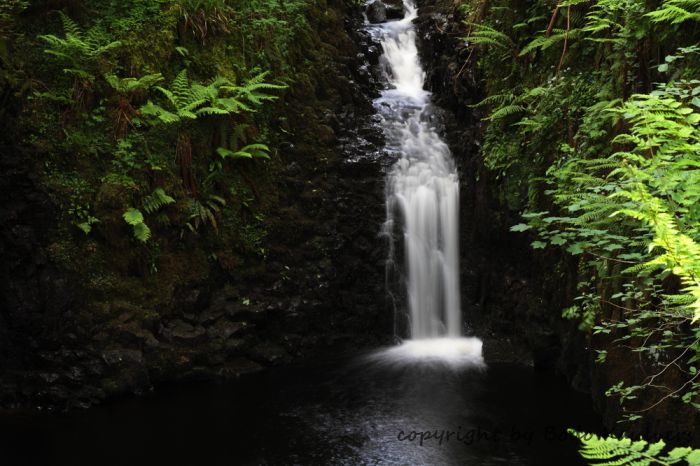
(394, 12)
(49, 377)
(133, 333)
(180, 331)
(115, 357)
(236, 345)
(239, 366)
(269, 353)
(376, 12)
(373, 53)
(223, 329)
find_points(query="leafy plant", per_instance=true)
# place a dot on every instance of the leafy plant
(9, 9)
(246, 152)
(156, 201)
(126, 90)
(189, 101)
(81, 52)
(205, 212)
(134, 217)
(205, 17)
(676, 12)
(613, 451)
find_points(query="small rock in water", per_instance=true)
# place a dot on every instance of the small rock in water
(376, 12)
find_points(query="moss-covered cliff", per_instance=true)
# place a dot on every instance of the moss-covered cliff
(247, 261)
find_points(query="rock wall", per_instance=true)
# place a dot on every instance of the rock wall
(64, 343)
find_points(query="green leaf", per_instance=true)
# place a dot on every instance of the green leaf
(142, 232)
(693, 459)
(575, 249)
(133, 216)
(86, 227)
(520, 227)
(558, 240)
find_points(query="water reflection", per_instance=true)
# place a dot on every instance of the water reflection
(344, 412)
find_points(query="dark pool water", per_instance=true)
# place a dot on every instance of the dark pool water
(340, 412)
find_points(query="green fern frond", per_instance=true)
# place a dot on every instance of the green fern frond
(181, 89)
(676, 12)
(506, 111)
(483, 34)
(70, 26)
(131, 85)
(613, 451)
(496, 99)
(134, 217)
(156, 201)
(250, 151)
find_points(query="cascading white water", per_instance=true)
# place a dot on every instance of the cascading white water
(422, 191)
(423, 202)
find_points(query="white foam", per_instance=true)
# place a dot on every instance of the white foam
(456, 353)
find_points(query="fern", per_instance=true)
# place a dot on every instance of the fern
(205, 212)
(497, 99)
(254, 89)
(613, 451)
(544, 42)
(247, 152)
(676, 12)
(78, 49)
(188, 101)
(132, 85)
(483, 34)
(127, 89)
(506, 111)
(156, 201)
(134, 217)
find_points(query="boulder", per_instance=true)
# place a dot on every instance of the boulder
(376, 12)
(180, 331)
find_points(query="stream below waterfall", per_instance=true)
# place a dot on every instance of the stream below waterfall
(341, 412)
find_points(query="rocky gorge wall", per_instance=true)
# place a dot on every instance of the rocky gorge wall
(80, 321)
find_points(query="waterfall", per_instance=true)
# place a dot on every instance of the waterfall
(422, 188)
(422, 208)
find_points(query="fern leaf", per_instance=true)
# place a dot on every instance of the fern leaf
(70, 26)
(506, 111)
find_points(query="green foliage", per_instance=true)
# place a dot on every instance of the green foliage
(247, 152)
(80, 50)
(188, 101)
(156, 201)
(128, 86)
(269, 28)
(205, 212)
(676, 12)
(191, 100)
(9, 9)
(604, 165)
(486, 36)
(205, 17)
(134, 217)
(613, 451)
